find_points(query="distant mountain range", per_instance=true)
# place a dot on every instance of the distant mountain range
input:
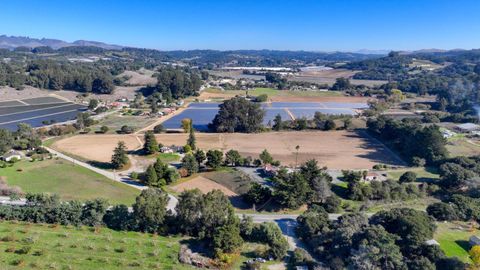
(12, 42)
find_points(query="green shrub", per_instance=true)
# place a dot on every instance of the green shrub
(23, 250)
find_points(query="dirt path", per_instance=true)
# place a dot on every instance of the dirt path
(162, 119)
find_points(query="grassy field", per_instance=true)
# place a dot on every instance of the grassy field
(462, 146)
(453, 239)
(115, 122)
(68, 181)
(38, 246)
(275, 92)
(423, 174)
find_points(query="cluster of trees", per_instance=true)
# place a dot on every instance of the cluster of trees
(209, 217)
(388, 190)
(238, 115)
(460, 173)
(457, 207)
(320, 121)
(12, 75)
(394, 239)
(268, 233)
(416, 143)
(57, 130)
(392, 67)
(214, 159)
(174, 83)
(83, 121)
(277, 79)
(159, 174)
(56, 75)
(25, 137)
(309, 185)
(43, 208)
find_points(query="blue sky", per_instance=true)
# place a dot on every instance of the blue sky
(322, 25)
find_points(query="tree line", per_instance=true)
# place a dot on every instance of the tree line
(208, 217)
(419, 145)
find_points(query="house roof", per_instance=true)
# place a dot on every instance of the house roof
(432, 242)
(468, 126)
(12, 154)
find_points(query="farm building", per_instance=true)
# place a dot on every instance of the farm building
(467, 127)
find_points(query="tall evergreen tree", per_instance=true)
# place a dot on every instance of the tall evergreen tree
(151, 178)
(277, 123)
(151, 145)
(191, 138)
(119, 157)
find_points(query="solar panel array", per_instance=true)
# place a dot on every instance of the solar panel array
(203, 113)
(37, 111)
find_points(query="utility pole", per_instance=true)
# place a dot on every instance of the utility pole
(296, 155)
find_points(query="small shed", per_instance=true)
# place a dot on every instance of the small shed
(474, 240)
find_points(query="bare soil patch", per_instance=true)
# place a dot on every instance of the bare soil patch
(205, 185)
(329, 77)
(141, 77)
(335, 149)
(95, 147)
(287, 98)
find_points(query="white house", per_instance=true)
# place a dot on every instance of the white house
(11, 156)
(166, 149)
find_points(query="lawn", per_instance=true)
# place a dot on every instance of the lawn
(67, 180)
(423, 174)
(453, 239)
(61, 247)
(168, 157)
